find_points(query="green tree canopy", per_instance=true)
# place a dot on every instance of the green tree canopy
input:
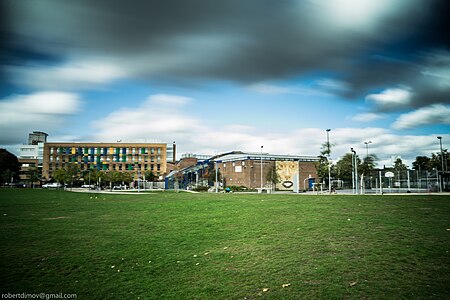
(272, 176)
(322, 164)
(9, 166)
(399, 165)
(68, 174)
(150, 176)
(422, 163)
(344, 167)
(368, 164)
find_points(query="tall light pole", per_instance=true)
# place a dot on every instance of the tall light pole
(355, 163)
(367, 148)
(442, 163)
(262, 168)
(328, 160)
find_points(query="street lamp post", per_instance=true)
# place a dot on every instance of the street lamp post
(355, 164)
(328, 160)
(442, 163)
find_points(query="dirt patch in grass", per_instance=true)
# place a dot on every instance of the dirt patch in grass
(56, 218)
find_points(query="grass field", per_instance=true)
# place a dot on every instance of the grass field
(226, 246)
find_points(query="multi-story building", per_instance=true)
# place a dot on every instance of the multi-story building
(37, 137)
(122, 157)
(249, 170)
(31, 157)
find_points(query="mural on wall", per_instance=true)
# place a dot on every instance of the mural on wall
(286, 170)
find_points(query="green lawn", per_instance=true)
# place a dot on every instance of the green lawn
(225, 246)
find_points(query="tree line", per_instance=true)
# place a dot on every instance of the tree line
(343, 168)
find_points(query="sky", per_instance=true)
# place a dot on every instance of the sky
(218, 76)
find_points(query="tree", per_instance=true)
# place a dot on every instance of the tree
(91, 175)
(150, 176)
(126, 177)
(436, 162)
(422, 163)
(9, 166)
(344, 167)
(272, 176)
(33, 176)
(399, 165)
(67, 175)
(60, 175)
(322, 165)
(368, 165)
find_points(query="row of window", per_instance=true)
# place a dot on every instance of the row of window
(234, 164)
(104, 150)
(99, 159)
(115, 167)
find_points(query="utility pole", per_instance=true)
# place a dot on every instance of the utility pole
(328, 160)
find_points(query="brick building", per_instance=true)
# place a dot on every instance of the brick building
(122, 157)
(244, 169)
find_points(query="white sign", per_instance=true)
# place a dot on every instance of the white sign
(389, 174)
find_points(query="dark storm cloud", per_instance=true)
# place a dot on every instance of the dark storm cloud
(426, 76)
(243, 41)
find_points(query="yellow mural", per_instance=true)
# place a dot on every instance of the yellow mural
(286, 170)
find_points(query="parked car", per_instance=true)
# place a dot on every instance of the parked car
(87, 186)
(54, 185)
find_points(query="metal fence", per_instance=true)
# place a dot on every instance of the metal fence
(405, 181)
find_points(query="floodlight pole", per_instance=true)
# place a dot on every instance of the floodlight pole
(328, 161)
(367, 148)
(356, 170)
(442, 164)
(353, 171)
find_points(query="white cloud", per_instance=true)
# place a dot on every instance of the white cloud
(269, 89)
(159, 116)
(362, 15)
(202, 136)
(433, 114)
(21, 114)
(71, 75)
(168, 100)
(391, 98)
(273, 89)
(368, 117)
(333, 85)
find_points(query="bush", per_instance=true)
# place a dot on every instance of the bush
(200, 189)
(235, 188)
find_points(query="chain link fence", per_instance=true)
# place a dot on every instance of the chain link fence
(405, 181)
